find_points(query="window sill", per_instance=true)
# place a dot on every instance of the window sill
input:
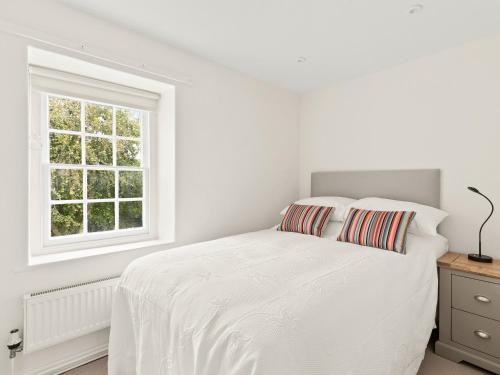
(39, 260)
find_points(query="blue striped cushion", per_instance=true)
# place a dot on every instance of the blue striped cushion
(306, 219)
(381, 229)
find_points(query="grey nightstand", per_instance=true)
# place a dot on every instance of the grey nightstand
(469, 311)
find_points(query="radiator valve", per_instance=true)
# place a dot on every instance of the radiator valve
(15, 344)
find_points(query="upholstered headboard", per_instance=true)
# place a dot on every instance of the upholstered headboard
(418, 185)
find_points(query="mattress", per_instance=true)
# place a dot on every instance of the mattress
(272, 302)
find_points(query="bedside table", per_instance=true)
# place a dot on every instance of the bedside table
(469, 311)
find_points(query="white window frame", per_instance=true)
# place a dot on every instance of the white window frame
(47, 201)
(41, 242)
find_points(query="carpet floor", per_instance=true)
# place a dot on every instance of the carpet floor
(431, 365)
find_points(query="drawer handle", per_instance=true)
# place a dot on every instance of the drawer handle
(482, 299)
(482, 335)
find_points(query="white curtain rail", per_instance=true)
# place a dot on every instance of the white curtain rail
(83, 50)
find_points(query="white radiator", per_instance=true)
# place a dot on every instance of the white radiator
(57, 315)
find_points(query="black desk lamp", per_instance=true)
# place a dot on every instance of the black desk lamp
(480, 257)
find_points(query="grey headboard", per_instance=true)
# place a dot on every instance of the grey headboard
(418, 185)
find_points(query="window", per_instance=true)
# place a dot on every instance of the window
(94, 161)
(96, 169)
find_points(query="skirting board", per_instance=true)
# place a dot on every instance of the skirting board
(73, 361)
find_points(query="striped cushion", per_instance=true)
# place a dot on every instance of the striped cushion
(305, 219)
(382, 229)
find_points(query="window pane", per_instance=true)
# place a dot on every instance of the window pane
(98, 151)
(128, 153)
(128, 123)
(100, 184)
(65, 149)
(130, 184)
(98, 119)
(66, 184)
(130, 215)
(64, 114)
(101, 216)
(66, 219)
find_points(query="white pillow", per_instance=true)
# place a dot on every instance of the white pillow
(340, 204)
(333, 230)
(426, 220)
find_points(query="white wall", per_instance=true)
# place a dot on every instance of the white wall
(237, 139)
(236, 143)
(442, 111)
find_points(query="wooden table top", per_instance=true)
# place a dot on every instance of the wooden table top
(460, 262)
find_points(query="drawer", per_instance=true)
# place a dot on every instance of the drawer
(467, 329)
(476, 296)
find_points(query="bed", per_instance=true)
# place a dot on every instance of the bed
(273, 302)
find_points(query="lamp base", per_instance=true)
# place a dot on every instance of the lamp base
(480, 258)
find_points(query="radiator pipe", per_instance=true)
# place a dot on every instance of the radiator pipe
(15, 345)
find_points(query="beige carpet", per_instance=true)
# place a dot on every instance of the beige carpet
(432, 365)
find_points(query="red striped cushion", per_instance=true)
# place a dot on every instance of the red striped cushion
(381, 229)
(305, 219)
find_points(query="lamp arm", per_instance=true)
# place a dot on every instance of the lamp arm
(488, 218)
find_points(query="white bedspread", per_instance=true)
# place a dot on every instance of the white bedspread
(272, 303)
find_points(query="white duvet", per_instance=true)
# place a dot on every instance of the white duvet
(271, 303)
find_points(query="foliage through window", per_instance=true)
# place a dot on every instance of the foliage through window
(96, 167)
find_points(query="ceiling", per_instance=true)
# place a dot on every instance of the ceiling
(341, 39)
